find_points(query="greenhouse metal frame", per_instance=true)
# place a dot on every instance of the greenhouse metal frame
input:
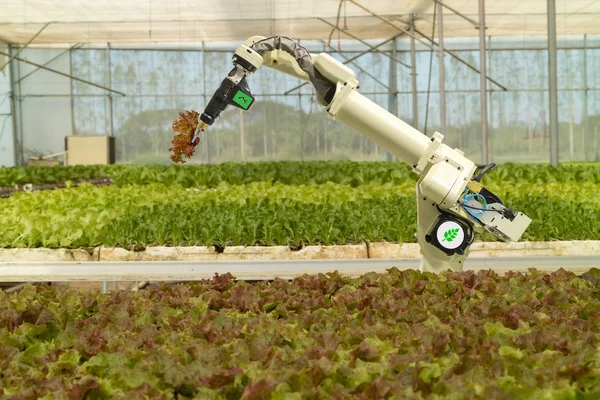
(446, 21)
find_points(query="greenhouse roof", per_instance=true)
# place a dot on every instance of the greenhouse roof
(103, 21)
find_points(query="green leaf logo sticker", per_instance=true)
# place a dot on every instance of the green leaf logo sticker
(450, 235)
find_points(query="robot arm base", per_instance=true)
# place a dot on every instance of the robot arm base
(444, 238)
(430, 262)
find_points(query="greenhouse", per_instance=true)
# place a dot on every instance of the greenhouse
(276, 199)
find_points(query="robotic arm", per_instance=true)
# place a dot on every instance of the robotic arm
(452, 204)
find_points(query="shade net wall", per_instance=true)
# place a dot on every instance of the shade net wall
(206, 20)
(6, 127)
(160, 83)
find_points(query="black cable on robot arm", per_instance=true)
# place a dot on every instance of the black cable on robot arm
(484, 169)
(325, 88)
(483, 209)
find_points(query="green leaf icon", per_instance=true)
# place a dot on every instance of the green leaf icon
(450, 235)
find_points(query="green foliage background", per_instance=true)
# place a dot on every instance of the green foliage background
(279, 203)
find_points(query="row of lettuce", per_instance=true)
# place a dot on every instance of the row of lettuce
(264, 213)
(286, 172)
(398, 335)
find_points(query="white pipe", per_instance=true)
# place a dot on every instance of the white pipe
(263, 269)
(382, 127)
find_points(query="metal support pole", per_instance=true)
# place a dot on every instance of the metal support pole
(585, 100)
(63, 74)
(483, 82)
(112, 133)
(24, 47)
(14, 124)
(442, 72)
(303, 123)
(491, 100)
(110, 97)
(15, 109)
(18, 105)
(552, 82)
(21, 119)
(393, 93)
(73, 131)
(206, 136)
(413, 64)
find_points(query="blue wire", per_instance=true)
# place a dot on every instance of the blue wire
(470, 210)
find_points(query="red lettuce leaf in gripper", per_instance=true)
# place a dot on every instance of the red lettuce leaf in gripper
(184, 127)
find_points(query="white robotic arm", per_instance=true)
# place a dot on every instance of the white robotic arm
(451, 202)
